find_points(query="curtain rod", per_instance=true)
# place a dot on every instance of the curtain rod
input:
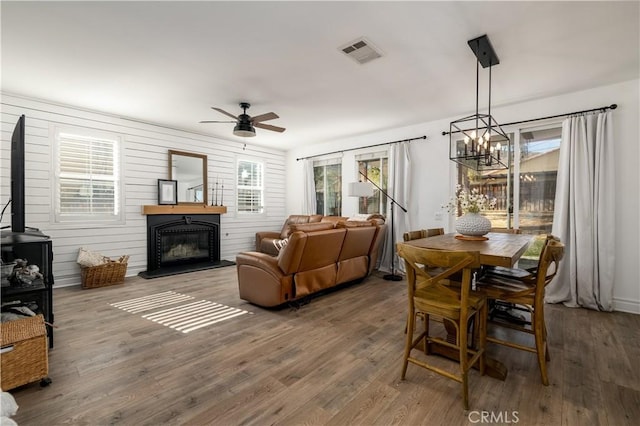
(361, 147)
(604, 108)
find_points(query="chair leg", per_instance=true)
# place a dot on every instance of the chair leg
(546, 345)
(426, 324)
(464, 359)
(411, 319)
(541, 347)
(484, 313)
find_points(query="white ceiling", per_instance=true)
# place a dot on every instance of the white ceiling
(170, 62)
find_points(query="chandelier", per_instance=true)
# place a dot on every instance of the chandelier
(477, 141)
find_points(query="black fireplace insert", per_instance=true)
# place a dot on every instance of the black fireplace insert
(182, 243)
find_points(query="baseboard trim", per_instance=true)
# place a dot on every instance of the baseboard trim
(626, 305)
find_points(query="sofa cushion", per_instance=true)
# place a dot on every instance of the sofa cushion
(291, 220)
(360, 216)
(355, 224)
(333, 219)
(357, 242)
(322, 248)
(310, 227)
(295, 219)
(266, 246)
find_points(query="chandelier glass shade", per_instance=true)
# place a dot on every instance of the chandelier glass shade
(477, 141)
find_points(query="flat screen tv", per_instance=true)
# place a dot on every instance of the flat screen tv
(17, 177)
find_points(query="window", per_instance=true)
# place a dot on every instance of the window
(526, 192)
(376, 168)
(250, 181)
(328, 179)
(87, 177)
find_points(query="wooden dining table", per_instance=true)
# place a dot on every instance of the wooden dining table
(499, 249)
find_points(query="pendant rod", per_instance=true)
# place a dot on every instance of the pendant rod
(489, 97)
(604, 108)
(477, 92)
(360, 147)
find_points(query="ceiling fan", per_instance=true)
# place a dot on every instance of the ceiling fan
(245, 123)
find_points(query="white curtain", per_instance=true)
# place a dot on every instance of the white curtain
(309, 190)
(398, 188)
(584, 216)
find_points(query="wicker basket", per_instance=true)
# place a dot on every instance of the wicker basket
(24, 351)
(107, 274)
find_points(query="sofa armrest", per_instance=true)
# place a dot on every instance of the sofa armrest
(265, 234)
(261, 281)
(260, 260)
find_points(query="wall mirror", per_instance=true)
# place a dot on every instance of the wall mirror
(190, 170)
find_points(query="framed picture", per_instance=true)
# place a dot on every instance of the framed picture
(167, 191)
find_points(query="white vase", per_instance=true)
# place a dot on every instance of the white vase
(473, 224)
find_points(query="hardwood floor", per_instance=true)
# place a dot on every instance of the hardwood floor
(333, 361)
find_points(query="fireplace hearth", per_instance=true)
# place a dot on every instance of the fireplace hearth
(182, 243)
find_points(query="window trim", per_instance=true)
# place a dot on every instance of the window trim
(263, 165)
(82, 221)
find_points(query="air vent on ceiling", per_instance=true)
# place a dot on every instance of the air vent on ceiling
(361, 51)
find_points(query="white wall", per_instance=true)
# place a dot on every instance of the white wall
(433, 173)
(146, 160)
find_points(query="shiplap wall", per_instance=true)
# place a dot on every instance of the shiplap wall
(145, 149)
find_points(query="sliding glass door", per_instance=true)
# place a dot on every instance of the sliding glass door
(328, 181)
(525, 193)
(535, 168)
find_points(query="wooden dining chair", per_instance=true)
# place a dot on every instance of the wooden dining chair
(430, 296)
(415, 235)
(521, 273)
(422, 233)
(528, 292)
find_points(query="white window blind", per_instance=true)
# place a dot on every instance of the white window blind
(87, 177)
(250, 184)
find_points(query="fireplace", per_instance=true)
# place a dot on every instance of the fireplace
(182, 243)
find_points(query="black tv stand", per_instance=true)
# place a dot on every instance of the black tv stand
(29, 234)
(36, 247)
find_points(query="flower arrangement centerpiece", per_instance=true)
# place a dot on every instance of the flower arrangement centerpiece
(471, 203)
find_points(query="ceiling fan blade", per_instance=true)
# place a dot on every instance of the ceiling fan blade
(265, 117)
(213, 121)
(269, 127)
(224, 112)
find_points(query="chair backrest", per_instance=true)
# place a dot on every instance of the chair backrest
(422, 233)
(548, 239)
(427, 267)
(549, 262)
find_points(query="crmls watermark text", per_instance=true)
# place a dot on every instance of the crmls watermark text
(493, 417)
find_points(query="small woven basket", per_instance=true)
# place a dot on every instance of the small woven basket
(110, 273)
(24, 351)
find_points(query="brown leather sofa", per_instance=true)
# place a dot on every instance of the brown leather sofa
(318, 256)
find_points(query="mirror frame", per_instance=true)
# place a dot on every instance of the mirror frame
(205, 187)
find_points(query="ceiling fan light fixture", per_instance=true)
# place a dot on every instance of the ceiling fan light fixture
(244, 129)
